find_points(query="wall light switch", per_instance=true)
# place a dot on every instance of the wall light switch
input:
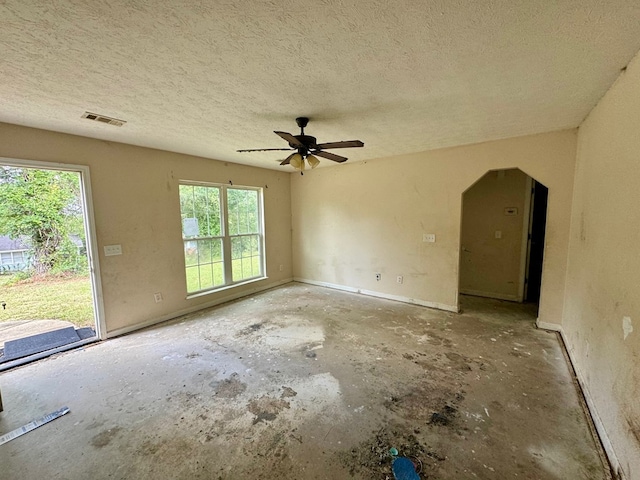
(429, 237)
(498, 233)
(110, 250)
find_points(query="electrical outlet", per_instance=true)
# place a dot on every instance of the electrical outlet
(281, 267)
(429, 237)
(157, 297)
(498, 233)
(110, 250)
(399, 279)
(378, 276)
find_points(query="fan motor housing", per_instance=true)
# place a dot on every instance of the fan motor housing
(307, 140)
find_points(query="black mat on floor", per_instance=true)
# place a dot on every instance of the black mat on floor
(85, 332)
(24, 347)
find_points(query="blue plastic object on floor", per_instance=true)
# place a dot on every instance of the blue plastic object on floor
(403, 469)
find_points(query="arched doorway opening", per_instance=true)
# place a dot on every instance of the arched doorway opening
(502, 236)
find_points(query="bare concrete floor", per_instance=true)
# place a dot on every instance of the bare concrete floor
(304, 382)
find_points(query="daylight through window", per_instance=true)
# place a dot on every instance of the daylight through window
(222, 234)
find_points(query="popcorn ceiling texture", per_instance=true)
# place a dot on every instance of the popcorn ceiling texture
(402, 76)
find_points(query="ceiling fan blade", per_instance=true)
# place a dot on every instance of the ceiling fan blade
(264, 150)
(287, 160)
(346, 144)
(330, 156)
(293, 141)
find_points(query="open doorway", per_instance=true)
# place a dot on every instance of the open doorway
(49, 288)
(502, 236)
(535, 241)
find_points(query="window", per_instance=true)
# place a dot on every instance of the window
(222, 234)
(13, 258)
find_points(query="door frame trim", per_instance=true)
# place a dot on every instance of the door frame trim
(526, 241)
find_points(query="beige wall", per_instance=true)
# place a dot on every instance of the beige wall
(491, 266)
(354, 220)
(135, 198)
(603, 277)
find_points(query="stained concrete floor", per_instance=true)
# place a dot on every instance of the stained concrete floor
(304, 382)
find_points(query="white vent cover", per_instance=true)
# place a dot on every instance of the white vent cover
(103, 119)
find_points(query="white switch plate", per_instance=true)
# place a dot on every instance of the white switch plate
(498, 233)
(110, 250)
(399, 279)
(429, 237)
(157, 297)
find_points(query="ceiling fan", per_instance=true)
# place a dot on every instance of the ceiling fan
(306, 148)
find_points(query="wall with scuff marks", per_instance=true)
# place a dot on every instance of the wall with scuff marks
(602, 300)
(135, 198)
(355, 220)
(490, 263)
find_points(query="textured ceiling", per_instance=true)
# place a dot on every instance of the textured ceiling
(208, 78)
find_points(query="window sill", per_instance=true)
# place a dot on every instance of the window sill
(225, 288)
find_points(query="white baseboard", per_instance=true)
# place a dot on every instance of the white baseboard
(386, 296)
(202, 306)
(591, 406)
(499, 296)
(554, 327)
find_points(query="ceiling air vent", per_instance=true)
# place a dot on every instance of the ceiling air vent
(103, 119)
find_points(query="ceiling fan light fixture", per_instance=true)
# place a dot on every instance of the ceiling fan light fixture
(313, 161)
(297, 161)
(303, 144)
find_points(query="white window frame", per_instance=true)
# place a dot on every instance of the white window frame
(226, 238)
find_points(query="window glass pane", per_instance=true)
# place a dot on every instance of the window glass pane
(190, 253)
(236, 256)
(246, 257)
(253, 226)
(206, 276)
(243, 211)
(204, 251)
(215, 217)
(218, 273)
(5, 258)
(186, 203)
(193, 279)
(200, 211)
(236, 270)
(216, 250)
(255, 245)
(236, 248)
